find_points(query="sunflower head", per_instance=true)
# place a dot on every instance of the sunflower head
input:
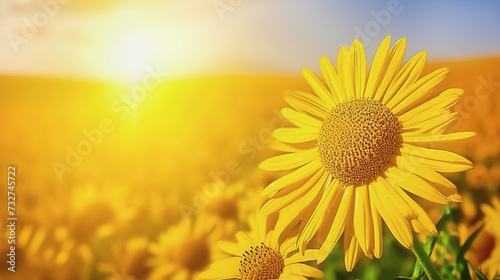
(184, 250)
(357, 139)
(261, 263)
(256, 256)
(359, 150)
(194, 253)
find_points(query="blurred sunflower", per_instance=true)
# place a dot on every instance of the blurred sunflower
(256, 256)
(97, 212)
(88, 214)
(231, 207)
(38, 253)
(162, 207)
(478, 176)
(128, 258)
(491, 266)
(184, 250)
(359, 146)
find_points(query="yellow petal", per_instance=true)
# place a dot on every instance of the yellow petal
(289, 276)
(378, 240)
(345, 70)
(455, 198)
(300, 119)
(415, 94)
(299, 209)
(439, 166)
(450, 193)
(292, 177)
(231, 248)
(351, 249)
(426, 224)
(303, 270)
(288, 245)
(420, 138)
(388, 194)
(416, 185)
(434, 154)
(422, 120)
(285, 196)
(397, 224)
(345, 209)
(244, 239)
(441, 128)
(363, 222)
(443, 101)
(295, 135)
(224, 269)
(286, 225)
(282, 147)
(423, 171)
(306, 102)
(332, 79)
(289, 161)
(330, 198)
(428, 126)
(428, 115)
(395, 57)
(309, 207)
(359, 68)
(408, 75)
(319, 87)
(377, 70)
(308, 255)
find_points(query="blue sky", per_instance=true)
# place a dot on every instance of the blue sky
(446, 29)
(111, 39)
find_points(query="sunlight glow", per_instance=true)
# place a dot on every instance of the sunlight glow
(134, 52)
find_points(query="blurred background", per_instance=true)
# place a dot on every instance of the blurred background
(137, 126)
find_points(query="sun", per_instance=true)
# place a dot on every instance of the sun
(134, 52)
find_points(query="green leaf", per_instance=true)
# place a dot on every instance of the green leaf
(480, 275)
(461, 261)
(431, 241)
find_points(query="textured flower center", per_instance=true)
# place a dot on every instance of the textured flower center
(225, 208)
(194, 254)
(261, 263)
(357, 140)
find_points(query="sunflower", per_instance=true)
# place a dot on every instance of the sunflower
(39, 252)
(231, 207)
(360, 148)
(184, 250)
(491, 266)
(127, 258)
(255, 256)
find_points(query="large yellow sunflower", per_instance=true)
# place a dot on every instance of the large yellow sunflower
(256, 256)
(361, 145)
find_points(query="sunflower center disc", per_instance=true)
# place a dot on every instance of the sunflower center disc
(261, 263)
(357, 140)
(195, 254)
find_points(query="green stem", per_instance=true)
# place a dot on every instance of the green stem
(425, 261)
